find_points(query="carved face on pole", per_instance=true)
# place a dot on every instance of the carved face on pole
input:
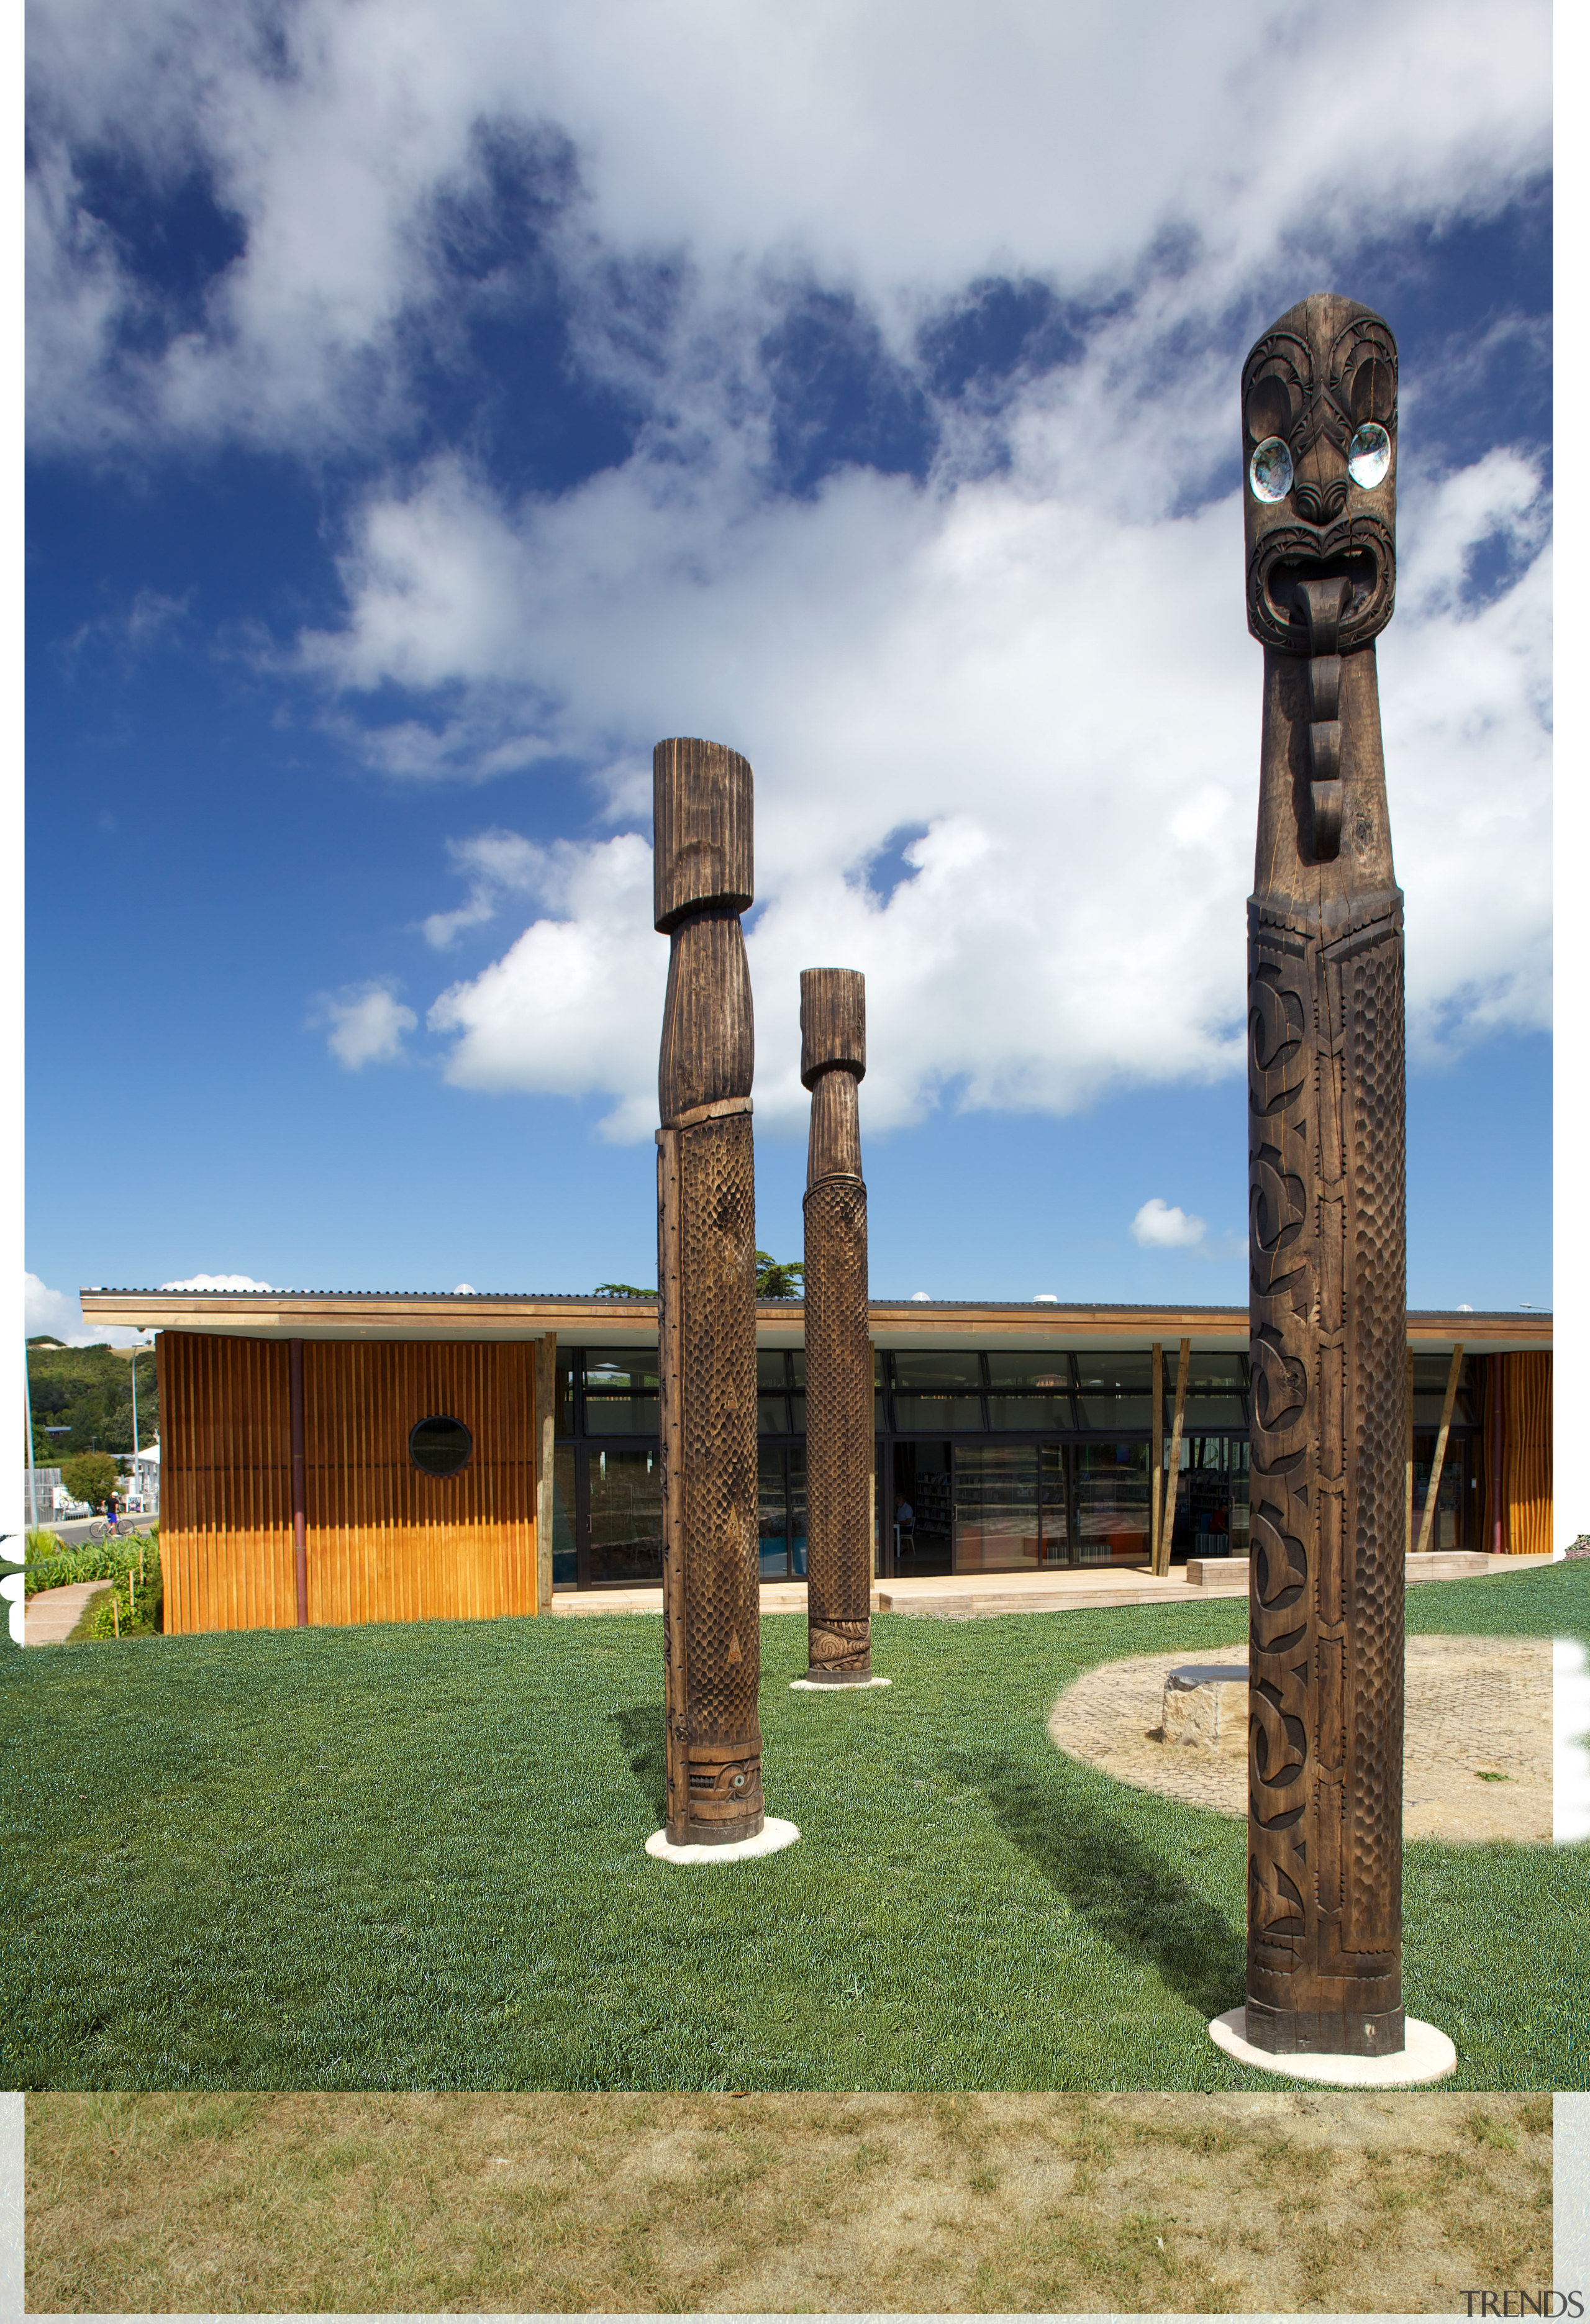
(1327, 1261)
(1319, 424)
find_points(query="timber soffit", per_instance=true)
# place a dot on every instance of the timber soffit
(895, 1323)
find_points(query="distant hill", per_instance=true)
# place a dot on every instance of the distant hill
(84, 1395)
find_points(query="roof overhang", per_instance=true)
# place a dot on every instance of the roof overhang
(588, 1322)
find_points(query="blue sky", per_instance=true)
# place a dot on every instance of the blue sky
(432, 408)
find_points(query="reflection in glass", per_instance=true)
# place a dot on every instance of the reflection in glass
(621, 1386)
(1029, 1392)
(1369, 456)
(627, 1371)
(797, 1460)
(1054, 1502)
(1211, 1498)
(1216, 1388)
(440, 1446)
(1447, 1530)
(936, 1412)
(1112, 1504)
(996, 1522)
(943, 1372)
(1269, 471)
(626, 1515)
(1030, 1413)
(564, 1557)
(1429, 1392)
(937, 1389)
(1117, 1390)
(773, 1513)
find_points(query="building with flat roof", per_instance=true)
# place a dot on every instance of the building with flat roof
(354, 1456)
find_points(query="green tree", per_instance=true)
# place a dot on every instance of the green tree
(779, 1279)
(90, 1476)
(81, 1399)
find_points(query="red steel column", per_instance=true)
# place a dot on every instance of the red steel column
(301, 1550)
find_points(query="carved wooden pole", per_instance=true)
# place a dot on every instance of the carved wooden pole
(838, 1352)
(707, 1297)
(1326, 1241)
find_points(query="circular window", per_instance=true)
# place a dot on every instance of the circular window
(440, 1446)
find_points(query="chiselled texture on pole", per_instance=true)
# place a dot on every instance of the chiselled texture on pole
(707, 1297)
(838, 1352)
(1326, 1241)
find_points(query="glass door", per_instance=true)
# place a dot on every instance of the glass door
(624, 1488)
(997, 1528)
(1112, 1504)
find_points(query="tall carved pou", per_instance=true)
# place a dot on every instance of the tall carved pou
(1326, 1242)
(838, 1352)
(707, 1297)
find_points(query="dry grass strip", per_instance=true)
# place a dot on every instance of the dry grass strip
(801, 2201)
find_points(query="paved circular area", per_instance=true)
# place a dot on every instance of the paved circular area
(1476, 1761)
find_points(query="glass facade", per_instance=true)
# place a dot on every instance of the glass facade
(987, 1460)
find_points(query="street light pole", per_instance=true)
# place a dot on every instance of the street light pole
(27, 1397)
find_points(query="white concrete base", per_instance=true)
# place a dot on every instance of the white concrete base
(826, 1686)
(775, 1833)
(1429, 2057)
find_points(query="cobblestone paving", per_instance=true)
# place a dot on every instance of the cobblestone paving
(1477, 1708)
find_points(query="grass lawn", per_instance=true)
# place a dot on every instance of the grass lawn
(410, 1857)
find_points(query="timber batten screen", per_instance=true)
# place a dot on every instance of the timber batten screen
(1526, 1392)
(226, 1520)
(387, 1541)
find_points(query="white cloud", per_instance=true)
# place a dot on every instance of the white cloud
(980, 656)
(47, 1313)
(904, 150)
(1038, 660)
(497, 864)
(219, 1283)
(367, 1024)
(1165, 1226)
(574, 1004)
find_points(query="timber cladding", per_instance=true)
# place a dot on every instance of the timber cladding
(1512, 1447)
(1526, 1438)
(386, 1542)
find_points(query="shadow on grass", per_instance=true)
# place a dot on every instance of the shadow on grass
(641, 1731)
(1118, 1881)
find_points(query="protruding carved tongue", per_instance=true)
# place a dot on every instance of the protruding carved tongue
(1323, 602)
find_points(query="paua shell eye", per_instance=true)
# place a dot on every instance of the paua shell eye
(1269, 471)
(1369, 456)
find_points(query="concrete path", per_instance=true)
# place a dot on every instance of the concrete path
(54, 1614)
(1063, 1589)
